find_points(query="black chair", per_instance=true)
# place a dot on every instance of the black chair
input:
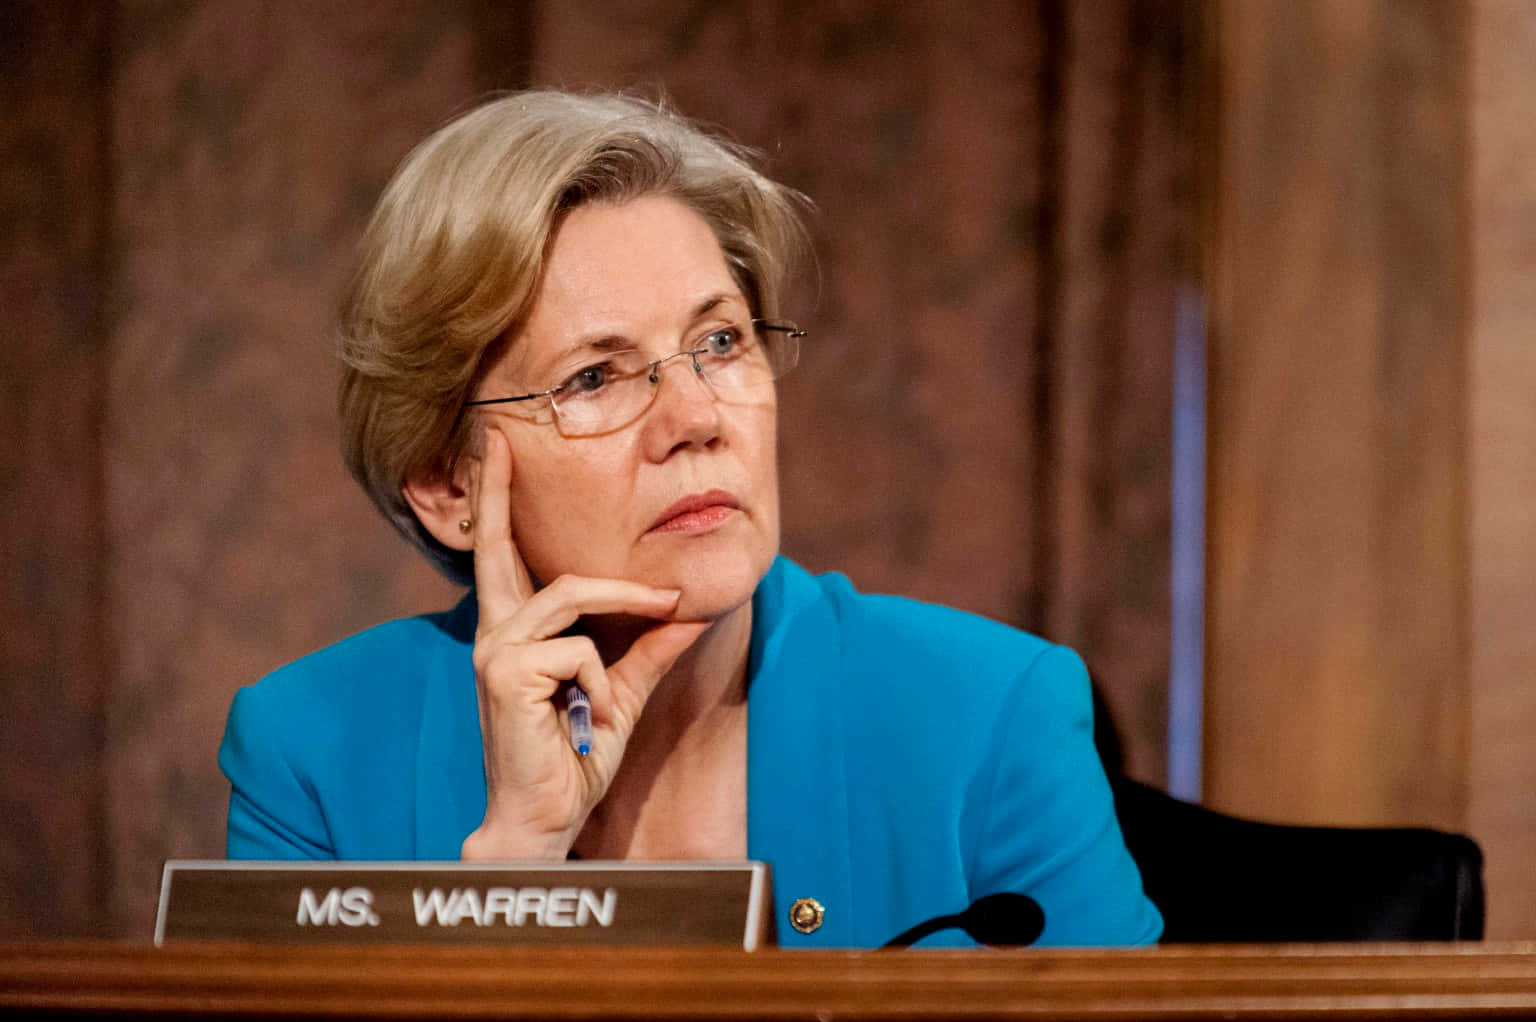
(1220, 879)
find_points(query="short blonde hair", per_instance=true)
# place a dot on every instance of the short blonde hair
(451, 260)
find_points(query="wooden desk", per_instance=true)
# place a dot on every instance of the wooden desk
(104, 980)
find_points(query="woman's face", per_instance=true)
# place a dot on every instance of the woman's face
(645, 274)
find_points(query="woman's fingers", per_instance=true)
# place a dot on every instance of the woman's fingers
(506, 650)
(560, 604)
(538, 790)
(538, 669)
(502, 583)
(528, 675)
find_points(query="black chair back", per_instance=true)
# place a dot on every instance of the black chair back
(1221, 879)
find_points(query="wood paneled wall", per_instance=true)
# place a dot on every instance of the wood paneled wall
(1502, 477)
(1338, 564)
(1373, 425)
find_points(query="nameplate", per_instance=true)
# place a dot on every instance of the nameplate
(593, 903)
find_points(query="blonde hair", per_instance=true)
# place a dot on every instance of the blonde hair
(451, 260)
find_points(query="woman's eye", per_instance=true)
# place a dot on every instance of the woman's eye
(586, 380)
(722, 342)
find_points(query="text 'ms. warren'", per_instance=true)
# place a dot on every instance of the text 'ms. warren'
(494, 906)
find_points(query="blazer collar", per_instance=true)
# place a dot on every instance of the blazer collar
(797, 792)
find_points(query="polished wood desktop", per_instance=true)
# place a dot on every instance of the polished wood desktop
(107, 979)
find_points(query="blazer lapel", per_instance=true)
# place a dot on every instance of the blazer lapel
(797, 795)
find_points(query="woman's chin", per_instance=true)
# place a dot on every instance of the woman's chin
(714, 587)
(707, 606)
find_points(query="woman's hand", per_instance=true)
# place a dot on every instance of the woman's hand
(539, 792)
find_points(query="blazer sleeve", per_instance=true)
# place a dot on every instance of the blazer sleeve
(273, 810)
(1050, 829)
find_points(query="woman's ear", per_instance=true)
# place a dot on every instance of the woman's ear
(444, 506)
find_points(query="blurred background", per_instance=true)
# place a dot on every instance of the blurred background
(1196, 335)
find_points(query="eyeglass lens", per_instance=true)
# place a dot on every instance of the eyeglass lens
(615, 392)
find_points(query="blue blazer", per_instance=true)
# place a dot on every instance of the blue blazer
(903, 759)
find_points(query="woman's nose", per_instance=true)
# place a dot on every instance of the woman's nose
(685, 411)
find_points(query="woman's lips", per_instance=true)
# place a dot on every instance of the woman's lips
(697, 513)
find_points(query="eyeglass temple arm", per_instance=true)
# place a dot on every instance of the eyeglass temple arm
(505, 400)
(783, 328)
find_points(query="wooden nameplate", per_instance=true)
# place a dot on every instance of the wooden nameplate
(591, 903)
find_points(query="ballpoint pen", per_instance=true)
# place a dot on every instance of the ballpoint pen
(579, 710)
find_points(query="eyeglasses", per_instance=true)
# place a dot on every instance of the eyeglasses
(613, 392)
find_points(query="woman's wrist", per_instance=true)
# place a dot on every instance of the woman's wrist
(489, 843)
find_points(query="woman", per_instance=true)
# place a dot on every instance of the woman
(560, 354)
